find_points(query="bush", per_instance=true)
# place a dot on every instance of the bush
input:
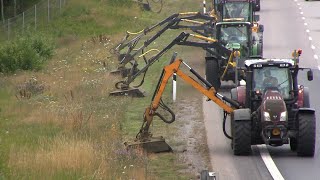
(27, 52)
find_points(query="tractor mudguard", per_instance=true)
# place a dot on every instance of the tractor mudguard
(242, 114)
(239, 94)
(307, 110)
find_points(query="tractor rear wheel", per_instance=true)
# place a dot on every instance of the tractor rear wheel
(241, 137)
(212, 73)
(293, 144)
(306, 134)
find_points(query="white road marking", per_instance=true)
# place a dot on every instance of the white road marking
(306, 24)
(313, 47)
(300, 8)
(303, 18)
(316, 56)
(301, 12)
(298, 4)
(307, 30)
(310, 38)
(271, 166)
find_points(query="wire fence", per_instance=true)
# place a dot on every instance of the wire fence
(39, 15)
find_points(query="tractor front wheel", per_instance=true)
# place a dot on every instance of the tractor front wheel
(306, 134)
(241, 139)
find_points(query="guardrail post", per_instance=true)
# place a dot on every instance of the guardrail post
(174, 87)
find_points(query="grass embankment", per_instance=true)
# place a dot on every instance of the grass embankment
(60, 123)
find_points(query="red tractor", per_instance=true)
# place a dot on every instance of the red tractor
(275, 109)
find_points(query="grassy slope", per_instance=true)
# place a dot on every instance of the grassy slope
(73, 129)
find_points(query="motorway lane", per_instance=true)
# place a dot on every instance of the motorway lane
(311, 15)
(293, 24)
(286, 29)
(224, 163)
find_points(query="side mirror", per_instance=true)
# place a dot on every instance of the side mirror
(261, 28)
(310, 75)
(256, 18)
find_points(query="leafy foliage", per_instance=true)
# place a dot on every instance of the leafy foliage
(27, 52)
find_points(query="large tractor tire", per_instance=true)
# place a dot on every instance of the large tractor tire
(212, 73)
(306, 134)
(293, 144)
(241, 137)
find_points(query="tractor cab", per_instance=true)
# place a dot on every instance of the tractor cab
(243, 10)
(270, 74)
(235, 32)
(274, 75)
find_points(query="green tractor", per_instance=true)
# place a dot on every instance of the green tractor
(237, 24)
(230, 33)
(223, 6)
(229, 9)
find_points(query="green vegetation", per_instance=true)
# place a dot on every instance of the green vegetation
(28, 52)
(59, 122)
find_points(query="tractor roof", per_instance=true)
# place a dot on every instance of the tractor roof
(225, 1)
(234, 22)
(266, 61)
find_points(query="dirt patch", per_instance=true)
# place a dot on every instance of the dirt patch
(193, 150)
(191, 141)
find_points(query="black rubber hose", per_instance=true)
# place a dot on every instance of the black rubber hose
(224, 126)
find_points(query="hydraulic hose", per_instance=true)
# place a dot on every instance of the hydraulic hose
(224, 125)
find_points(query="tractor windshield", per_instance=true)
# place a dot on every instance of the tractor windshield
(272, 76)
(236, 10)
(234, 34)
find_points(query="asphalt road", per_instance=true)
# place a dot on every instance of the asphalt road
(288, 25)
(291, 24)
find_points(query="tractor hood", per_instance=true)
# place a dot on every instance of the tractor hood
(273, 106)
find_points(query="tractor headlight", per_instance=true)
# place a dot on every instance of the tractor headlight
(266, 116)
(283, 116)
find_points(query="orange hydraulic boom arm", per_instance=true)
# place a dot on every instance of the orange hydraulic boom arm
(204, 87)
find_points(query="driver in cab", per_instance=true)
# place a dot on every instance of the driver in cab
(269, 81)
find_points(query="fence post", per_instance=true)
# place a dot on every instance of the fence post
(23, 21)
(8, 29)
(60, 6)
(35, 17)
(48, 10)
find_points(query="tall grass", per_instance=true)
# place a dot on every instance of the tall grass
(72, 129)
